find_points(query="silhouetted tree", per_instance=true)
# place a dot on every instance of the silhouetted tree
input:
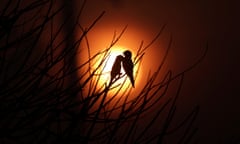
(42, 98)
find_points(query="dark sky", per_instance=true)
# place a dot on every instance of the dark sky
(214, 83)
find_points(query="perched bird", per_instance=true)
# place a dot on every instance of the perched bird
(128, 65)
(116, 68)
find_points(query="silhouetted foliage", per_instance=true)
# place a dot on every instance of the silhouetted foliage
(42, 98)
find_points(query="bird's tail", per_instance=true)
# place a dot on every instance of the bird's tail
(132, 81)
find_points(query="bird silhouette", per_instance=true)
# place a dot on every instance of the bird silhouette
(128, 65)
(116, 68)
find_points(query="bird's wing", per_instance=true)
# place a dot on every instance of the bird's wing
(128, 68)
(116, 68)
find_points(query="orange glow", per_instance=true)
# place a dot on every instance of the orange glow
(99, 39)
(94, 47)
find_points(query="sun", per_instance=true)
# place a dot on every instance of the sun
(104, 76)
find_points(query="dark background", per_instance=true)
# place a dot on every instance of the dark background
(214, 83)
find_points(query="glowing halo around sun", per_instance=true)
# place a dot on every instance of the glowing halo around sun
(92, 50)
(103, 73)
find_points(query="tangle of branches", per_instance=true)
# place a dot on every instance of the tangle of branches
(43, 99)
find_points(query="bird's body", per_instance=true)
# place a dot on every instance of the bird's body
(116, 68)
(128, 65)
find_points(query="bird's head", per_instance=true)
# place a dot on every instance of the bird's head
(127, 54)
